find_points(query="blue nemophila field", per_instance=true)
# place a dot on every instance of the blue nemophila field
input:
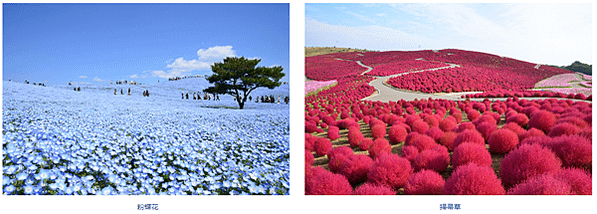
(60, 141)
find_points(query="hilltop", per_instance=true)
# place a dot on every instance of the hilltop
(315, 51)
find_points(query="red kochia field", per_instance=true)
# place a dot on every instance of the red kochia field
(436, 146)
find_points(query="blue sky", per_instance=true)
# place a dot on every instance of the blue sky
(97, 43)
(555, 34)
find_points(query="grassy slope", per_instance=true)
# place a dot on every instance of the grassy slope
(314, 51)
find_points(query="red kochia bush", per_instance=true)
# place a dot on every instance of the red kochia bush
(470, 152)
(354, 136)
(573, 150)
(470, 179)
(471, 136)
(541, 140)
(322, 146)
(579, 180)
(447, 139)
(309, 159)
(563, 129)
(365, 144)
(486, 128)
(378, 147)
(502, 141)
(544, 184)
(473, 115)
(378, 131)
(542, 120)
(436, 159)
(397, 134)
(424, 142)
(424, 182)
(333, 132)
(465, 126)
(336, 162)
(355, 168)
(435, 132)
(373, 189)
(390, 170)
(447, 124)
(338, 151)
(410, 152)
(309, 141)
(533, 132)
(319, 181)
(527, 161)
(419, 126)
(518, 118)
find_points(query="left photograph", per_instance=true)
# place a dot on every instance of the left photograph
(145, 99)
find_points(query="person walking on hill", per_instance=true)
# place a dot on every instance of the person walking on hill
(187, 95)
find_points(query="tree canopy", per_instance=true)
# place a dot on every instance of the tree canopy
(240, 76)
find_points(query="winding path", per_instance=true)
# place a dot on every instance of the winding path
(385, 92)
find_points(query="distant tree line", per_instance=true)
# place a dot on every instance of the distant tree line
(578, 67)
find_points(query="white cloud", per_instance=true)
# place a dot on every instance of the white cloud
(381, 15)
(82, 77)
(215, 53)
(134, 76)
(168, 74)
(185, 65)
(96, 79)
(361, 17)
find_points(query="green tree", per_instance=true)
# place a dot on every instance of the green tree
(240, 76)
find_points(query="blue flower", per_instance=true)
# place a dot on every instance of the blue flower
(28, 189)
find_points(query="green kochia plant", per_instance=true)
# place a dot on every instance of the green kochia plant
(240, 76)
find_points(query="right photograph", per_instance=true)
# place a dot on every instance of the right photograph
(448, 99)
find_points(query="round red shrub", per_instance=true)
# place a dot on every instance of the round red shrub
(541, 185)
(355, 137)
(573, 150)
(541, 140)
(579, 180)
(533, 132)
(484, 119)
(471, 136)
(577, 121)
(309, 141)
(310, 127)
(322, 146)
(486, 128)
(473, 115)
(424, 142)
(527, 161)
(355, 168)
(542, 120)
(515, 128)
(378, 147)
(410, 152)
(432, 121)
(502, 141)
(563, 129)
(397, 134)
(340, 150)
(365, 144)
(309, 159)
(390, 170)
(519, 118)
(436, 159)
(447, 124)
(435, 132)
(470, 152)
(465, 126)
(586, 133)
(447, 140)
(410, 137)
(424, 182)
(419, 126)
(333, 132)
(373, 189)
(319, 181)
(378, 131)
(410, 119)
(335, 163)
(470, 179)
